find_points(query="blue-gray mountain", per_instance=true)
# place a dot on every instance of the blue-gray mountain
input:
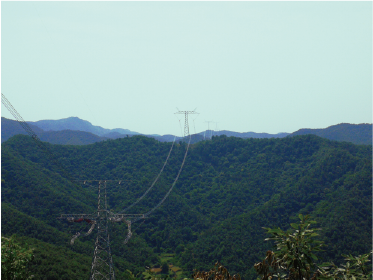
(10, 128)
(74, 123)
(75, 131)
(355, 133)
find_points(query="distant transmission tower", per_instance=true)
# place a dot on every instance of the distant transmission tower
(102, 264)
(186, 125)
(208, 129)
(216, 128)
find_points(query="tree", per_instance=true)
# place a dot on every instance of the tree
(15, 260)
(219, 272)
(294, 256)
(165, 268)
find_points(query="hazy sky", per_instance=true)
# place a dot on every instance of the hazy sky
(250, 66)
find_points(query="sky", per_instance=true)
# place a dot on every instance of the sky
(246, 66)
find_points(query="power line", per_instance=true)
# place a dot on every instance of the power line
(172, 186)
(152, 185)
(33, 135)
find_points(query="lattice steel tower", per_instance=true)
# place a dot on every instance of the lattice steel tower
(186, 125)
(102, 264)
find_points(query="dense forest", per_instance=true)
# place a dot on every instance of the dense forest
(230, 188)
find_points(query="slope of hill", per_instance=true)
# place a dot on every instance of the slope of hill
(229, 189)
(74, 123)
(354, 133)
(70, 137)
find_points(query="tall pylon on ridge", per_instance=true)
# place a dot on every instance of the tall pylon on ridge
(208, 128)
(216, 128)
(186, 125)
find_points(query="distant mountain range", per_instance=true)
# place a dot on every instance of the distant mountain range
(74, 123)
(75, 131)
(10, 128)
(355, 133)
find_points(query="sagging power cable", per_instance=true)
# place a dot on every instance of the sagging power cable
(172, 186)
(155, 180)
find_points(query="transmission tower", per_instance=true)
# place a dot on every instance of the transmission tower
(216, 128)
(102, 264)
(208, 129)
(186, 125)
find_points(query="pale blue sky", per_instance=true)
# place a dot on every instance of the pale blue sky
(251, 66)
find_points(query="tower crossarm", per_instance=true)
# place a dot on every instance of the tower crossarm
(121, 217)
(76, 217)
(93, 217)
(186, 112)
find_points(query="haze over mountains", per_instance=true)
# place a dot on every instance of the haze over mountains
(75, 131)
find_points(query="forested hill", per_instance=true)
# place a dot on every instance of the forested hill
(355, 133)
(228, 190)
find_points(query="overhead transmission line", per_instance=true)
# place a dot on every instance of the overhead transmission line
(102, 263)
(152, 185)
(172, 186)
(186, 130)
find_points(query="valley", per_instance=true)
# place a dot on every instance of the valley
(230, 188)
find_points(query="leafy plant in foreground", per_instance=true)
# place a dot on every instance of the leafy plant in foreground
(355, 268)
(14, 260)
(294, 256)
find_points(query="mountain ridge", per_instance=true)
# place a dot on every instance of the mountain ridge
(75, 131)
(355, 133)
(75, 123)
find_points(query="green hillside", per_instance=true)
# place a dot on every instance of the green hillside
(228, 190)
